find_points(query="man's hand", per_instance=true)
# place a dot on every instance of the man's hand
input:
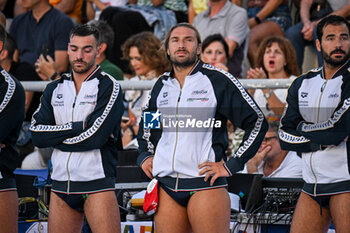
(213, 170)
(45, 68)
(308, 30)
(253, 163)
(147, 167)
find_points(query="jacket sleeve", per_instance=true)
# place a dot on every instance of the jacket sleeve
(332, 131)
(11, 108)
(290, 137)
(148, 138)
(101, 123)
(239, 107)
(45, 132)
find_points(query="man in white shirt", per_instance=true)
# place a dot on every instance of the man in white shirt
(271, 160)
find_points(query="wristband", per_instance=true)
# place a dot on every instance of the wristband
(53, 76)
(257, 19)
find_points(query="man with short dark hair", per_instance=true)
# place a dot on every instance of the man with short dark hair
(80, 117)
(11, 118)
(316, 123)
(187, 153)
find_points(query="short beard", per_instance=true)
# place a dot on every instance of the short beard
(82, 70)
(334, 63)
(184, 64)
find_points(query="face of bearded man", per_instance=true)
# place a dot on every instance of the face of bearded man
(183, 48)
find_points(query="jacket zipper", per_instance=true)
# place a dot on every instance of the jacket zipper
(317, 120)
(176, 137)
(70, 154)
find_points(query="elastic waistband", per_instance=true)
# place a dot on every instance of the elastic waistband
(327, 189)
(191, 184)
(83, 187)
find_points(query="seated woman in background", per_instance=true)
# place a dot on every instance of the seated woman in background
(215, 51)
(147, 60)
(272, 63)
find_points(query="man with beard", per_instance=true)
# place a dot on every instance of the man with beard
(183, 137)
(79, 116)
(316, 123)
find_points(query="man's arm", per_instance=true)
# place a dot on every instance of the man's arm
(101, 123)
(145, 137)
(237, 30)
(239, 107)
(66, 6)
(290, 138)
(11, 107)
(45, 132)
(332, 131)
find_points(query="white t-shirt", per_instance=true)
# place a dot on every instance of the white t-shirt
(291, 167)
(262, 102)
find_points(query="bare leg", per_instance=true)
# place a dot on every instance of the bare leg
(209, 211)
(8, 212)
(62, 218)
(170, 217)
(307, 216)
(340, 211)
(102, 212)
(257, 34)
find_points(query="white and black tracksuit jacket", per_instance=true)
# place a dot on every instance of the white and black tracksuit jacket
(194, 126)
(316, 122)
(82, 127)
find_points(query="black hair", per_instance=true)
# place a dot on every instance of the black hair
(212, 38)
(86, 30)
(330, 20)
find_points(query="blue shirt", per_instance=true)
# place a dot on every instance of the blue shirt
(51, 33)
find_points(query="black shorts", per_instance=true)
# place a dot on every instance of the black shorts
(7, 184)
(181, 197)
(74, 201)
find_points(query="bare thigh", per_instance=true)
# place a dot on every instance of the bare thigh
(170, 217)
(62, 218)
(8, 212)
(307, 216)
(209, 211)
(102, 212)
(340, 212)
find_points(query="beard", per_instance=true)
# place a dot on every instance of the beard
(335, 62)
(83, 66)
(189, 61)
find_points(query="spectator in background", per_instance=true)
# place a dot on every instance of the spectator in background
(72, 8)
(49, 37)
(225, 18)
(95, 7)
(311, 12)
(148, 60)
(266, 18)
(179, 7)
(106, 44)
(23, 72)
(215, 51)
(275, 60)
(195, 7)
(11, 118)
(271, 160)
